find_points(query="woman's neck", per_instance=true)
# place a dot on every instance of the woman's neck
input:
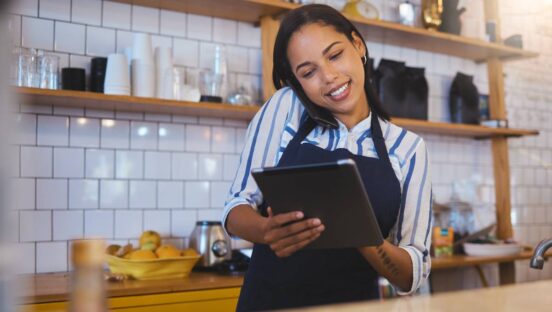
(361, 112)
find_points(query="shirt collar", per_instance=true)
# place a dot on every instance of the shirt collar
(359, 128)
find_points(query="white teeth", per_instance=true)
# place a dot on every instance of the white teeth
(340, 90)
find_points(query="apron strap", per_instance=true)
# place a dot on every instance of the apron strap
(304, 129)
(379, 141)
(309, 124)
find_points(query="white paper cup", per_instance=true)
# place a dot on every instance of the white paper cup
(116, 74)
(163, 64)
(143, 79)
(141, 48)
(117, 91)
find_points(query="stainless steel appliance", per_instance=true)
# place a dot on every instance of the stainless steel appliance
(212, 243)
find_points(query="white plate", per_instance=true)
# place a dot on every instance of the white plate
(492, 249)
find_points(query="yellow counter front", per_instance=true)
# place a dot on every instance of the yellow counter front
(198, 292)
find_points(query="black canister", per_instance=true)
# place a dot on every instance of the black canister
(98, 66)
(73, 79)
(403, 90)
(464, 100)
(391, 91)
(451, 22)
(417, 93)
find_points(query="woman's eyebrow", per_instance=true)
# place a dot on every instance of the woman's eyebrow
(325, 51)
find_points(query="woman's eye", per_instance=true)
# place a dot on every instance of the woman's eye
(308, 74)
(335, 56)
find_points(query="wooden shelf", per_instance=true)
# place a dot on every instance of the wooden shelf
(132, 103)
(152, 105)
(464, 261)
(464, 130)
(378, 30)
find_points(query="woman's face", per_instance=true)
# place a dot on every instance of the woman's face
(330, 69)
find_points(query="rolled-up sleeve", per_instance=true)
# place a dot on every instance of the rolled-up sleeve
(262, 145)
(415, 215)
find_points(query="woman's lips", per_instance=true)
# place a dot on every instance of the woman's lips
(340, 93)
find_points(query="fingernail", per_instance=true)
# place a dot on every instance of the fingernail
(299, 215)
(316, 222)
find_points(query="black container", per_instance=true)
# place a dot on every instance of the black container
(403, 90)
(417, 93)
(98, 66)
(451, 17)
(210, 98)
(73, 79)
(464, 100)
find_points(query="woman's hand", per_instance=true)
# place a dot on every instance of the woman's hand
(287, 233)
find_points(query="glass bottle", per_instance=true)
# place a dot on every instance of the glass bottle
(87, 278)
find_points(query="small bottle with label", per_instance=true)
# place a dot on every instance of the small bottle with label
(87, 278)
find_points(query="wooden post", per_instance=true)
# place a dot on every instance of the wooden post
(501, 163)
(269, 30)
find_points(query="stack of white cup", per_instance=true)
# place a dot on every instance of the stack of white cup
(143, 67)
(163, 71)
(117, 78)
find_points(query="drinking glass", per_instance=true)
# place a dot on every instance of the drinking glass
(26, 74)
(48, 68)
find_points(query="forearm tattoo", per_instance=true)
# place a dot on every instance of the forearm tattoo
(389, 265)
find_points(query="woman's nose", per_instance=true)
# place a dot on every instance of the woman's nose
(329, 73)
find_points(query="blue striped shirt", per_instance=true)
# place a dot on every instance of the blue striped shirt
(276, 123)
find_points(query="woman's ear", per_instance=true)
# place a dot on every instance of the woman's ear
(359, 45)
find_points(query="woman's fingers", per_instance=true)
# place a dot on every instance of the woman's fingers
(287, 232)
(289, 250)
(294, 228)
(284, 218)
(297, 238)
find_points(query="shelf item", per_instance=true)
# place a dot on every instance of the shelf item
(152, 105)
(131, 103)
(378, 30)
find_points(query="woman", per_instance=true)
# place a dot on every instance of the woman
(325, 110)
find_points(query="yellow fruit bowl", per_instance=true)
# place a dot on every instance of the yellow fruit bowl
(178, 267)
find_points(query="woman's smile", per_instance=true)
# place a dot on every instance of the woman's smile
(341, 92)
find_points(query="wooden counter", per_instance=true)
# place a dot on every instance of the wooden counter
(456, 261)
(43, 288)
(520, 297)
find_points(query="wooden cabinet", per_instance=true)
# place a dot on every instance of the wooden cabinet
(199, 292)
(224, 299)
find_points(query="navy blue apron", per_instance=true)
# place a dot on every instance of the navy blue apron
(316, 277)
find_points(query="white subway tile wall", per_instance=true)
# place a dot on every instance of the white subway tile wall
(96, 173)
(55, 9)
(116, 15)
(86, 12)
(69, 38)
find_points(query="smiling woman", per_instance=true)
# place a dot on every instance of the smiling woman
(326, 110)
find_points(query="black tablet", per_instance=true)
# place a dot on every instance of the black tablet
(333, 192)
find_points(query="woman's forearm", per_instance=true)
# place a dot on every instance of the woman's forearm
(246, 223)
(391, 262)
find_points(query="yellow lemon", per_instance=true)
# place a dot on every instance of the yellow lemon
(150, 237)
(149, 246)
(142, 255)
(167, 251)
(190, 252)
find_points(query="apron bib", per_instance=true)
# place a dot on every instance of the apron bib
(324, 276)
